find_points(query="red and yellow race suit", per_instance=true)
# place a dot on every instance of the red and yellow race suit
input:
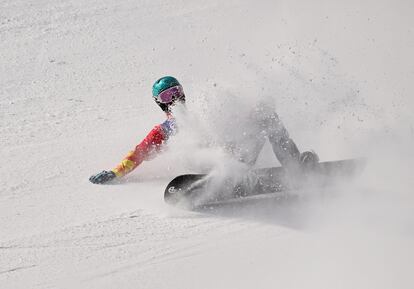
(245, 141)
(151, 144)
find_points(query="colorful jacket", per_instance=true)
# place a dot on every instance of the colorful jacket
(151, 145)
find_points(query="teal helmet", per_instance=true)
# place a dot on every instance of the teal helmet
(164, 83)
(166, 91)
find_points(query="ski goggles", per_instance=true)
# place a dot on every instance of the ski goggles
(170, 94)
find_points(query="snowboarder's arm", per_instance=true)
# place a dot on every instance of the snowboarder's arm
(150, 145)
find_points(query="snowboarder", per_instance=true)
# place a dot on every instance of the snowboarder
(167, 92)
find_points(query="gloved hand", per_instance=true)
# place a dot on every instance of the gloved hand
(102, 177)
(308, 159)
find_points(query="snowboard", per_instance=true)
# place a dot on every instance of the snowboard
(198, 189)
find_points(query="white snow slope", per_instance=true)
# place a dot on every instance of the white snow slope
(75, 97)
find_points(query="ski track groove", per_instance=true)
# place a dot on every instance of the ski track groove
(16, 269)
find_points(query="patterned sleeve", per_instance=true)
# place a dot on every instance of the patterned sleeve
(150, 145)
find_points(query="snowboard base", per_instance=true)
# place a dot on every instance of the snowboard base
(198, 189)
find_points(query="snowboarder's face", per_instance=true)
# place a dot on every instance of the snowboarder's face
(170, 97)
(167, 107)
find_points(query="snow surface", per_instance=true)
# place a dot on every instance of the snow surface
(75, 80)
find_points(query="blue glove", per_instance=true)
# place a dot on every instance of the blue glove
(102, 177)
(308, 159)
